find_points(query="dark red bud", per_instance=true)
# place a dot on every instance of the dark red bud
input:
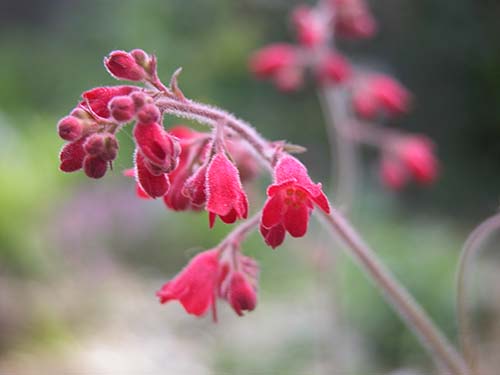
(94, 166)
(111, 146)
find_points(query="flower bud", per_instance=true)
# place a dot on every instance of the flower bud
(110, 150)
(140, 99)
(70, 128)
(141, 58)
(94, 166)
(94, 145)
(71, 156)
(157, 146)
(122, 65)
(154, 185)
(122, 108)
(241, 294)
(148, 114)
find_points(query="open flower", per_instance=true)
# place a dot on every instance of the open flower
(225, 195)
(290, 202)
(196, 285)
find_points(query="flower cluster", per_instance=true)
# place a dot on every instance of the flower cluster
(191, 170)
(214, 274)
(372, 96)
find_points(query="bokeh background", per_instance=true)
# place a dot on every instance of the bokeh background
(80, 260)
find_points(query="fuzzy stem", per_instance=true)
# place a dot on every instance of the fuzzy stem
(212, 116)
(470, 251)
(238, 234)
(397, 296)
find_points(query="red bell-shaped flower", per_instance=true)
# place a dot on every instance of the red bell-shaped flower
(196, 285)
(290, 202)
(225, 195)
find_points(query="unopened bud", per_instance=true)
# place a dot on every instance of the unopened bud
(111, 146)
(148, 114)
(94, 145)
(94, 166)
(122, 108)
(122, 65)
(140, 99)
(141, 58)
(241, 294)
(70, 128)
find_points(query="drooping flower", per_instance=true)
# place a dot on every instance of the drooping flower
(195, 287)
(225, 195)
(157, 146)
(291, 199)
(155, 185)
(241, 294)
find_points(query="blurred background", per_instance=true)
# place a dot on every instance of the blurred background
(80, 260)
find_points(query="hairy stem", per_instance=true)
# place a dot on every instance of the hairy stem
(470, 251)
(397, 296)
(239, 233)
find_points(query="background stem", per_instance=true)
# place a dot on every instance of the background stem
(398, 297)
(470, 251)
(342, 149)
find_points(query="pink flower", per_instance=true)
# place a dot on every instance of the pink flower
(380, 92)
(269, 60)
(290, 202)
(123, 65)
(225, 195)
(391, 95)
(196, 285)
(412, 156)
(417, 154)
